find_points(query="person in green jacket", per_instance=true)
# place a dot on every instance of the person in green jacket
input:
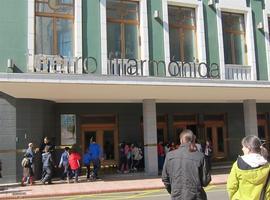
(250, 172)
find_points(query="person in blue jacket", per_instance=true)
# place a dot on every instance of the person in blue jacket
(95, 153)
(86, 162)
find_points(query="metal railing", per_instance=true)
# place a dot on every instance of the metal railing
(238, 72)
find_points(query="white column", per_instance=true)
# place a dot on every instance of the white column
(150, 137)
(103, 31)
(250, 117)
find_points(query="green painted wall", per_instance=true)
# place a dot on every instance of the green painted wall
(259, 38)
(91, 34)
(156, 40)
(211, 35)
(13, 34)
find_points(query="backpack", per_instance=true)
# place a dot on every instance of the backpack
(25, 162)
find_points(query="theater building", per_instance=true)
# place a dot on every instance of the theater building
(138, 71)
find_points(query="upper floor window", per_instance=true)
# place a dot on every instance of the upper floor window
(54, 27)
(182, 25)
(123, 29)
(234, 38)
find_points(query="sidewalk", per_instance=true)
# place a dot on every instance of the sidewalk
(111, 183)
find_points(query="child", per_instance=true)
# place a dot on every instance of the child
(74, 163)
(27, 172)
(64, 162)
(47, 166)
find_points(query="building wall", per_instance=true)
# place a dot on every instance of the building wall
(211, 35)
(259, 35)
(91, 31)
(128, 118)
(235, 120)
(8, 138)
(35, 120)
(13, 34)
(155, 32)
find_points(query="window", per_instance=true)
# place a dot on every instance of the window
(182, 25)
(234, 38)
(54, 27)
(123, 29)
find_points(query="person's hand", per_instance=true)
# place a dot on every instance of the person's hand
(59, 166)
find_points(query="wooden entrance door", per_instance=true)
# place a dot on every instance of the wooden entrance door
(263, 128)
(216, 133)
(179, 127)
(162, 133)
(106, 136)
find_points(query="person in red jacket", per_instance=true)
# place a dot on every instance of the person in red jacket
(74, 163)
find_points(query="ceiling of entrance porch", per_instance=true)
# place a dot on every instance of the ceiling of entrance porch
(86, 88)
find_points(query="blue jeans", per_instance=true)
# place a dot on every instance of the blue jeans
(76, 174)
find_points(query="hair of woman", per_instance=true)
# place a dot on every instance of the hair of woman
(254, 144)
(187, 136)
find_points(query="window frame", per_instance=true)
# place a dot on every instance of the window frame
(234, 33)
(122, 23)
(54, 17)
(181, 29)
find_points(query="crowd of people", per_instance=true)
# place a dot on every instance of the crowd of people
(185, 166)
(70, 162)
(130, 158)
(163, 149)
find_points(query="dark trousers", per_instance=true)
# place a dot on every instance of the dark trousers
(88, 171)
(208, 162)
(46, 174)
(96, 163)
(160, 162)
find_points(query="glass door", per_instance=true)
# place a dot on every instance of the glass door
(107, 139)
(263, 132)
(162, 134)
(215, 133)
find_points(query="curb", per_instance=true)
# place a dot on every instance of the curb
(93, 192)
(81, 193)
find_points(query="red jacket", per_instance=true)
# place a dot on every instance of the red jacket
(160, 150)
(73, 161)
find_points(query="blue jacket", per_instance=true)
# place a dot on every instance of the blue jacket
(94, 151)
(86, 158)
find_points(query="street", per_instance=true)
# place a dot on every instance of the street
(213, 192)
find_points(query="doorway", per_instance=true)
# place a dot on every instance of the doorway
(182, 122)
(215, 132)
(106, 135)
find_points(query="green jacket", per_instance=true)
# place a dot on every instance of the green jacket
(247, 184)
